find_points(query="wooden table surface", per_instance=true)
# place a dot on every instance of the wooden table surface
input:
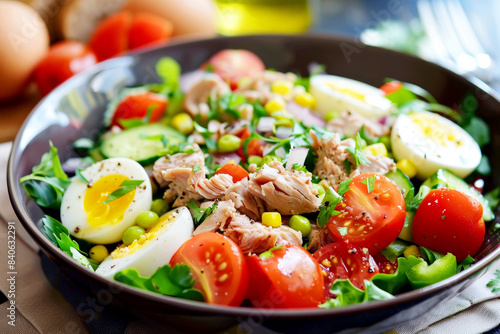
(14, 112)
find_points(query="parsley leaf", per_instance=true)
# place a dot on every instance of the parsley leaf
(176, 281)
(269, 253)
(357, 153)
(344, 187)
(347, 166)
(47, 182)
(207, 135)
(327, 210)
(136, 121)
(125, 187)
(495, 283)
(196, 168)
(200, 214)
(58, 234)
(370, 183)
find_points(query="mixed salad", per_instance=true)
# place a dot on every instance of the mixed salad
(322, 191)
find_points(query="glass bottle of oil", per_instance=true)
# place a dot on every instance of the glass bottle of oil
(240, 17)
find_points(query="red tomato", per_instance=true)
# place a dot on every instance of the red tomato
(218, 265)
(290, 278)
(372, 220)
(236, 171)
(232, 65)
(385, 266)
(147, 29)
(449, 221)
(343, 261)
(254, 146)
(110, 38)
(137, 106)
(126, 31)
(391, 87)
(63, 60)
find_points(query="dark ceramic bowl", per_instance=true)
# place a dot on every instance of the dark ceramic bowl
(75, 110)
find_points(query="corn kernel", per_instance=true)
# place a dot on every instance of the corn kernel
(274, 105)
(377, 149)
(272, 219)
(411, 250)
(407, 167)
(305, 100)
(282, 87)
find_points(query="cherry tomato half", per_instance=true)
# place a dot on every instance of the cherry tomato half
(343, 261)
(369, 219)
(232, 65)
(218, 265)
(237, 172)
(391, 87)
(63, 60)
(137, 106)
(449, 221)
(384, 265)
(254, 146)
(289, 278)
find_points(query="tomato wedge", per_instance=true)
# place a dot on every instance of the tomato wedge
(137, 106)
(218, 265)
(384, 265)
(371, 218)
(343, 261)
(286, 277)
(237, 172)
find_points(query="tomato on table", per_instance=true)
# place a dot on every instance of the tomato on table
(138, 105)
(237, 172)
(286, 277)
(233, 65)
(218, 266)
(343, 261)
(371, 218)
(63, 60)
(147, 29)
(449, 221)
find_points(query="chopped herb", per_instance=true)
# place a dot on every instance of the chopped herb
(370, 183)
(134, 122)
(465, 263)
(158, 137)
(125, 187)
(207, 135)
(357, 153)
(78, 173)
(330, 201)
(269, 253)
(200, 214)
(347, 166)
(196, 168)
(495, 282)
(342, 230)
(176, 281)
(344, 187)
(300, 168)
(366, 137)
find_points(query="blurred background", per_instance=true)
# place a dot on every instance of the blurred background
(44, 42)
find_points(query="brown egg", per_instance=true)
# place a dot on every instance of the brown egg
(190, 17)
(24, 40)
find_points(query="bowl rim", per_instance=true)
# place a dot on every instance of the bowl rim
(15, 195)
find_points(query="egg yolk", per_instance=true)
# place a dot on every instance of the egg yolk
(100, 213)
(347, 91)
(436, 131)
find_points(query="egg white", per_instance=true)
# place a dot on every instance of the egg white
(153, 250)
(73, 214)
(371, 104)
(431, 142)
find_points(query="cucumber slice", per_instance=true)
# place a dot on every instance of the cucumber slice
(143, 143)
(450, 180)
(404, 184)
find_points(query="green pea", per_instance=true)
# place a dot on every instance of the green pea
(301, 224)
(331, 115)
(160, 206)
(131, 234)
(255, 159)
(270, 158)
(146, 219)
(228, 143)
(321, 191)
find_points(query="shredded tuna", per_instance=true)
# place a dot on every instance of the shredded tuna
(187, 160)
(379, 164)
(250, 236)
(259, 88)
(318, 238)
(196, 97)
(244, 200)
(288, 192)
(350, 122)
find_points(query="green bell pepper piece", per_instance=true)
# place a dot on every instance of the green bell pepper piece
(423, 274)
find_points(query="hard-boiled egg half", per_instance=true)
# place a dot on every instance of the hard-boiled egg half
(154, 249)
(91, 214)
(334, 93)
(431, 142)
